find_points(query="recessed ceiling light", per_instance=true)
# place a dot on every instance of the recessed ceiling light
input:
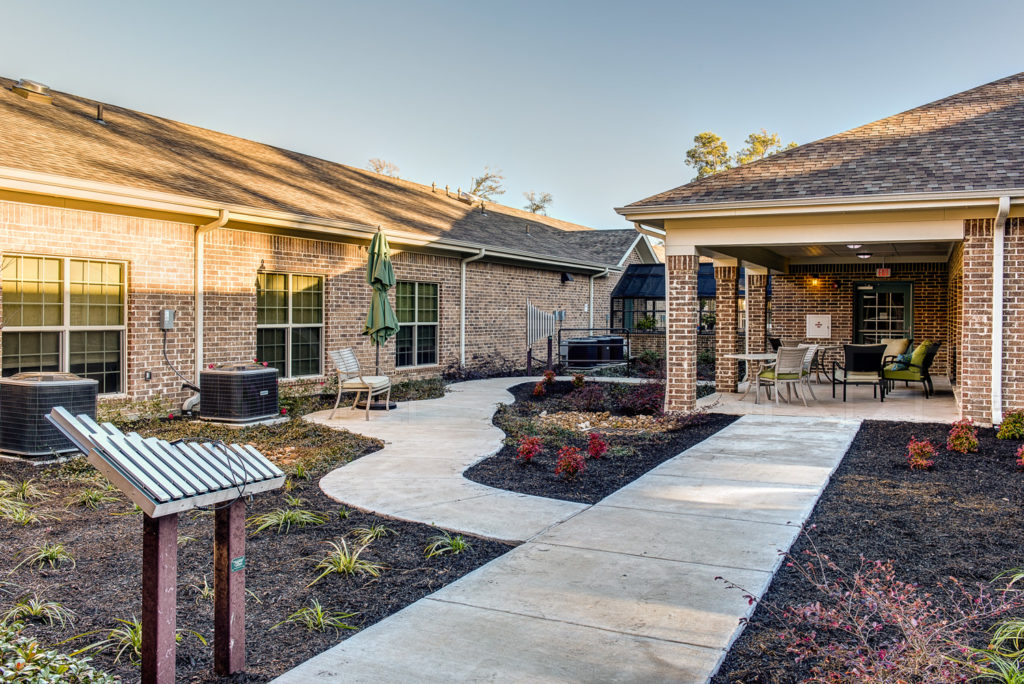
(863, 255)
(853, 246)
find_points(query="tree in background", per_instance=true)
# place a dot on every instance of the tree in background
(383, 167)
(537, 202)
(709, 154)
(761, 145)
(487, 184)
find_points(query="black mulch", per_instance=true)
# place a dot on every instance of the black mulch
(629, 457)
(105, 584)
(962, 519)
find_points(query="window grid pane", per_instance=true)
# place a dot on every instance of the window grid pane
(305, 351)
(31, 352)
(32, 291)
(270, 348)
(403, 346)
(405, 302)
(416, 306)
(97, 355)
(426, 344)
(271, 298)
(97, 293)
(426, 303)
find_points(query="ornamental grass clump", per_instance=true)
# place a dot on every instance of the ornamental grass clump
(528, 449)
(963, 437)
(920, 454)
(1012, 426)
(570, 462)
(596, 445)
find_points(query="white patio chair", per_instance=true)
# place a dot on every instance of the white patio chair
(351, 379)
(787, 370)
(811, 352)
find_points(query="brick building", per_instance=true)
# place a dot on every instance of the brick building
(906, 227)
(108, 216)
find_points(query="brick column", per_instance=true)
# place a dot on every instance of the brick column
(976, 342)
(757, 311)
(725, 328)
(681, 348)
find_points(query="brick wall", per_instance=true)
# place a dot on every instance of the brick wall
(954, 297)
(725, 327)
(757, 311)
(794, 297)
(975, 342)
(681, 294)
(159, 255)
(1013, 316)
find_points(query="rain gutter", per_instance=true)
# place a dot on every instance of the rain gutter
(197, 280)
(998, 235)
(462, 305)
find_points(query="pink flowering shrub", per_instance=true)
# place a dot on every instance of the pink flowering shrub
(539, 390)
(570, 462)
(596, 445)
(1020, 457)
(920, 454)
(963, 437)
(528, 449)
(549, 377)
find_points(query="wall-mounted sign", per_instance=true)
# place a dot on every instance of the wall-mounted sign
(819, 326)
(883, 272)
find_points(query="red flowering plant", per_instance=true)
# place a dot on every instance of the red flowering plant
(539, 390)
(963, 437)
(871, 627)
(1020, 457)
(570, 462)
(528, 449)
(596, 445)
(549, 377)
(920, 454)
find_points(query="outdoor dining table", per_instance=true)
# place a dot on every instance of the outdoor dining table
(752, 358)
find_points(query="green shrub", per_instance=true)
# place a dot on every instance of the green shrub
(22, 660)
(1012, 426)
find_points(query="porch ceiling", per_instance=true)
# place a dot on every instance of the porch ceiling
(778, 257)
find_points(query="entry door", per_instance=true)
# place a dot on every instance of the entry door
(884, 310)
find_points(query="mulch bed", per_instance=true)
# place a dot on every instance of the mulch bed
(105, 584)
(631, 454)
(962, 519)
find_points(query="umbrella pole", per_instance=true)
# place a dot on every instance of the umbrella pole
(377, 371)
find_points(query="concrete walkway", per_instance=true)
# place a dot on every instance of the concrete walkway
(622, 591)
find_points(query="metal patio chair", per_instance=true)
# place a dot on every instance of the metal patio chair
(787, 370)
(863, 366)
(351, 379)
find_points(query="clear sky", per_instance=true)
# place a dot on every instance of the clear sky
(594, 102)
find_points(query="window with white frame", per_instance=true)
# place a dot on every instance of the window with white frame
(64, 314)
(416, 309)
(289, 322)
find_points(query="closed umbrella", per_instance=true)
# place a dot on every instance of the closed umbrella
(381, 322)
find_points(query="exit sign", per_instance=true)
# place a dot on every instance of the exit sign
(883, 272)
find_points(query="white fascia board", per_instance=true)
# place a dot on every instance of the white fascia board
(33, 182)
(819, 205)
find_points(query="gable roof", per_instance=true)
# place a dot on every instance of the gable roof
(145, 152)
(611, 245)
(971, 141)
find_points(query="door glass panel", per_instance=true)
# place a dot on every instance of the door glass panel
(884, 311)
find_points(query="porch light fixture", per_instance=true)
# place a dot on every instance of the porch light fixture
(853, 246)
(863, 255)
(815, 281)
(567, 277)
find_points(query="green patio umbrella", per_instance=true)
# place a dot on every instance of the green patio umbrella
(381, 322)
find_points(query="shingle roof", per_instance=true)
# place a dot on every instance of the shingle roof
(605, 246)
(142, 151)
(970, 141)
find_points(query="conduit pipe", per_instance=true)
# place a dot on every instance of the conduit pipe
(462, 306)
(197, 280)
(998, 233)
(602, 274)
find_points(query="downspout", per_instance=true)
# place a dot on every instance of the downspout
(746, 311)
(602, 274)
(998, 232)
(462, 306)
(197, 280)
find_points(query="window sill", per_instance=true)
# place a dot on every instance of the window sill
(421, 367)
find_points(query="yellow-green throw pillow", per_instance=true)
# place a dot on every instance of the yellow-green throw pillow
(918, 357)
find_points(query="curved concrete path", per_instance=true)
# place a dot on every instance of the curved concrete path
(417, 476)
(622, 591)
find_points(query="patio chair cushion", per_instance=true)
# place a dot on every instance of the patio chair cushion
(912, 374)
(895, 347)
(769, 374)
(371, 381)
(854, 377)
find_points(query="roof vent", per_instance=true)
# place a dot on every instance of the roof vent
(32, 90)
